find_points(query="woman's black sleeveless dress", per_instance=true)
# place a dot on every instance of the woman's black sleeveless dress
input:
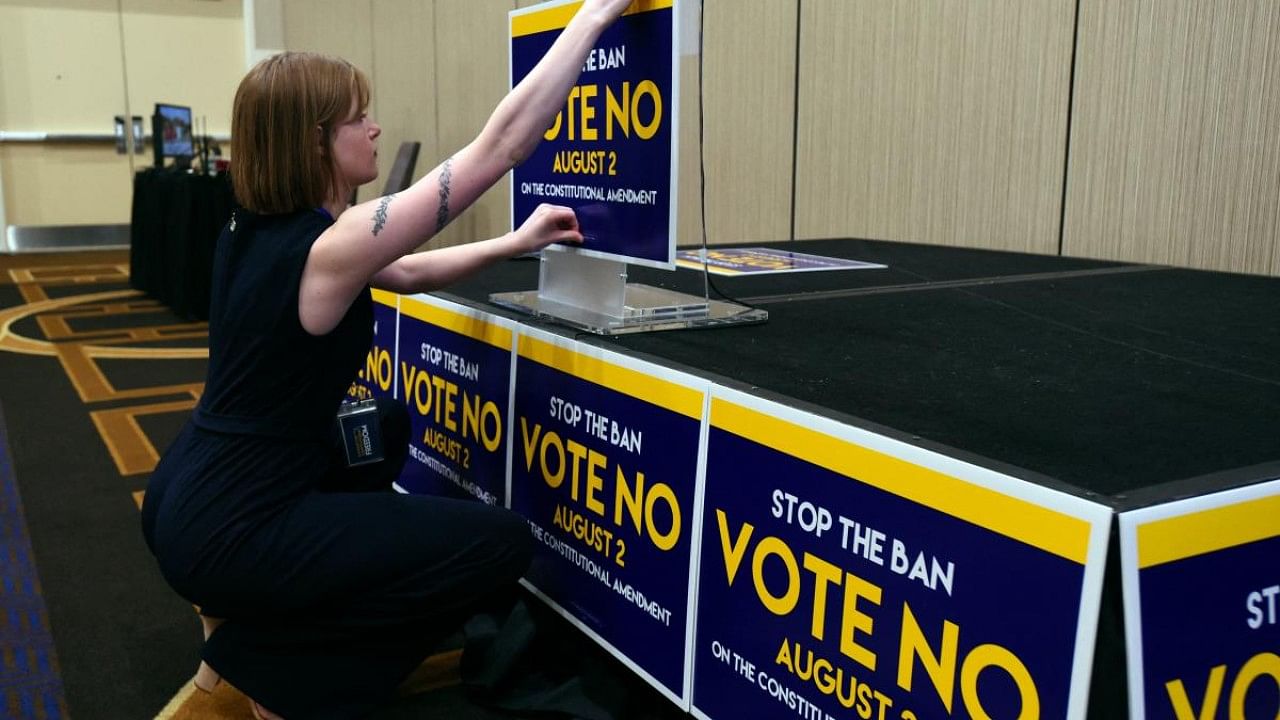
(332, 593)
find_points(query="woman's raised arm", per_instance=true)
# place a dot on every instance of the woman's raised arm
(368, 237)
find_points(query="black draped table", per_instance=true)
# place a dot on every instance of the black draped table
(1152, 391)
(175, 223)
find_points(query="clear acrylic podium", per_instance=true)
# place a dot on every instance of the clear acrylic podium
(592, 294)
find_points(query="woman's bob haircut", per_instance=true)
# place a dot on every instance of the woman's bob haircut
(282, 127)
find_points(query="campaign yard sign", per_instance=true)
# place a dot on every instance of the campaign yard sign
(455, 374)
(765, 261)
(611, 152)
(844, 573)
(604, 466)
(1202, 606)
(377, 378)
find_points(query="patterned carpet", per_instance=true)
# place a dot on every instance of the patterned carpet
(30, 685)
(95, 380)
(95, 377)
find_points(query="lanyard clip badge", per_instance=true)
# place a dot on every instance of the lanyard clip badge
(361, 432)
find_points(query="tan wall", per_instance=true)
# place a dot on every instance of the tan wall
(73, 86)
(935, 121)
(184, 51)
(264, 30)
(406, 98)
(471, 41)
(337, 27)
(188, 52)
(1175, 148)
(65, 184)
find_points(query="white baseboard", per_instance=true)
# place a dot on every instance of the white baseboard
(63, 238)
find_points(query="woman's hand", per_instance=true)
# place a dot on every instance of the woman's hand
(605, 11)
(546, 225)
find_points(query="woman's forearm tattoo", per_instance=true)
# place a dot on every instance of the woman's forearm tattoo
(442, 212)
(380, 215)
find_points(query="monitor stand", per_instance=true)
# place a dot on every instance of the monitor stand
(593, 294)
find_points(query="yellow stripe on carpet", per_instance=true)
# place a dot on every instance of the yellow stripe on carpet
(438, 671)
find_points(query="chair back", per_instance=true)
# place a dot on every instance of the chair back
(401, 174)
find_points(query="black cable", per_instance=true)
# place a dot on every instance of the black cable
(708, 282)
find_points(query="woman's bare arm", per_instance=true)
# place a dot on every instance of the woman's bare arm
(435, 269)
(369, 237)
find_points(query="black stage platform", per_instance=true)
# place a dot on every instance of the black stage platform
(1105, 378)
(1129, 385)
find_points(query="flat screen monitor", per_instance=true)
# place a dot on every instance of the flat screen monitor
(172, 132)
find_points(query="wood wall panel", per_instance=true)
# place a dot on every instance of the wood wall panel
(688, 178)
(935, 121)
(471, 41)
(335, 27)
(749, 107)
(1175, 149)
(404, 85)
(74, 85)
(343, 28)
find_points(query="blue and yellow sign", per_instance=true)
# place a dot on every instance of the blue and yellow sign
(1202, 606)
(377, 377)
(604, 466)
(846, 574)
(610, 153)
(764, 261)
(454, 372)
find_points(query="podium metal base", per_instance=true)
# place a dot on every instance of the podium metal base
(645, 309)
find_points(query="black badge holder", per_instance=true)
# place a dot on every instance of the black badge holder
(361, 432)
